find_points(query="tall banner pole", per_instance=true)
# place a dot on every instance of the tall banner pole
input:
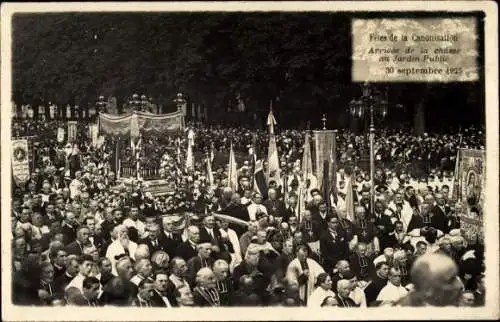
(372, 161)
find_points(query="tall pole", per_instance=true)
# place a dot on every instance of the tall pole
(372, 159)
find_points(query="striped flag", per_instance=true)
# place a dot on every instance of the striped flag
(259, 180)
(349, 199)
(232, 180)
(272, 154)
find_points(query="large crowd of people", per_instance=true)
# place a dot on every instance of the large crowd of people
(79, 240)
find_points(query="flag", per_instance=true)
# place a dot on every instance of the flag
(271, 121)
(307, 169)
(210, 174)
(72, 130)
(212, 152)
(349, 200)
(189, 154)
(273, 165)
(138, 146)
(259, 180)
(60, 134)
(94, 133)
(189, 157)
(20, 161)
(253, 148)
(232, 180)
(178, 143)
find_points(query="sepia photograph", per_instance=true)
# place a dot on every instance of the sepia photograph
(332, 159)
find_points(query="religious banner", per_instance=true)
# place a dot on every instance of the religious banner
(72, 129)
(52, 111)
(68, 111)
(94, 134)
(471, 177)
(60, 135)
(470, 191)
(273, 164)
(147, 123)
(20, 161)
(324, 146)
(114, 124)
(471, 226)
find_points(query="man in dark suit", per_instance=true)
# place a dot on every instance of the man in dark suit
(439, 218)
(383, 225)
(156, 239)
(361, 264)
(210, 233)
(68, 227)
(290, 209)
(89, 294)
(377, 283)
(177, 279)
(237, 210)
(187, 249)
(322, 218)
(82, 239)
(332, 244)
(159, 297)
(172, 240)
(202, 260)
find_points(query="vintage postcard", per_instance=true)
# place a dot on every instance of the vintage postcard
(256, 161)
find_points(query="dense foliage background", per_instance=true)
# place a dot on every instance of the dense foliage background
(300, 61)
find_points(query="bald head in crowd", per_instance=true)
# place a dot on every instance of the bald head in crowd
(435, 277)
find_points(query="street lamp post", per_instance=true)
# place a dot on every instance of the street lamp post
(101, 105)
(134, 102)
(370, 102)
(179, 101)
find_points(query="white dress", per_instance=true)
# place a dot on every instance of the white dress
(318, 296)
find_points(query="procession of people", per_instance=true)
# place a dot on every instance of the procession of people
(81, 237)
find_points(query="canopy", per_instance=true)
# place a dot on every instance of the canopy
(141, 122)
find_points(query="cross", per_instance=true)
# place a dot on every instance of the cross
(324, 121)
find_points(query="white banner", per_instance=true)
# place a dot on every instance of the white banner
(94, 131)
(60, 135)
(20, 161)
(72, 131)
